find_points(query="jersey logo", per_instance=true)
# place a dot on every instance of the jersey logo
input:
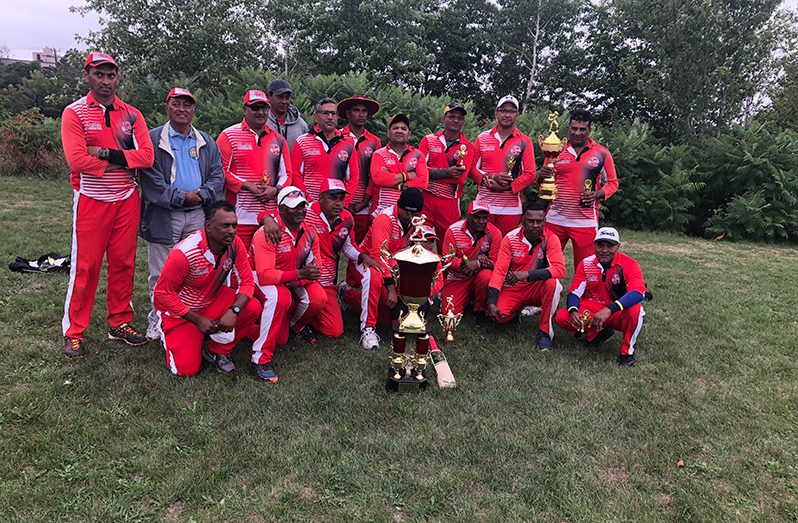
(562, 162)
(93, 126)
(515, 150)
(274, 149)
(463, 245)
(199, 271)
(412, 163)
(283, 248)
(591, 277)
(485, 247)
(390, 162)
(127, 127)
(593, 162)
(343, 155)
(193, 153)
(486, 148)
(227, 265)
(243, 147)
(519, 254)
(310, 152)
(435, 150)
(616, 279)
(343, 233)
(368, 151)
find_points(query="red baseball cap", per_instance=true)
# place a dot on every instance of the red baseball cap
(96, 59)
(476, 207)
(179, 91)
(333, 185)
(399, 117)
(254, 96)
(429, 232)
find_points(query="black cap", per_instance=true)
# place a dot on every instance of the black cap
(399, 117)
(411, 200)
(455, 106)
(279, 87)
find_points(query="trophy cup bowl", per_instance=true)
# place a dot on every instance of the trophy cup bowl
(551, 146)
(461, 154)
(449, 321)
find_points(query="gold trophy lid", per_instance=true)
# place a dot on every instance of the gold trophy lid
(552, 143)
(417, 253)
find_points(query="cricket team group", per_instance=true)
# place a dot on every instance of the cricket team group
(244, 233)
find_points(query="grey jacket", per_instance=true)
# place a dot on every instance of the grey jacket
(159, 199)
(293, 128)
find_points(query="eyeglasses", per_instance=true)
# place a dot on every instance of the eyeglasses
(507, 111)
(177, 104)
(455, 117)
(328, 114)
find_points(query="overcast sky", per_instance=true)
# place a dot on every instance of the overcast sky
(34, 24)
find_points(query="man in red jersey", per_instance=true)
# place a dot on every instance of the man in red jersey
(193, 301)
(396, 166)
(504, 166)
(476, 244)
(526, 273)
(105, 141)
(324, 153)
(584, 173)
(609, 286)
(358, 109)
(449, 155)
(288, 275)
(256, 163)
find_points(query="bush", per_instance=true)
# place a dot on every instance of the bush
(31, 144)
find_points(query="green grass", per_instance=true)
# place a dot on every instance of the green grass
(526, 436)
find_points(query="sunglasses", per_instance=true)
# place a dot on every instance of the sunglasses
(258, 107)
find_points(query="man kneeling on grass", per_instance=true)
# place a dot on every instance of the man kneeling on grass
(609, 286)
(194, 301)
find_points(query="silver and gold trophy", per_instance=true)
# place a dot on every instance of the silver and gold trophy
(552, 146)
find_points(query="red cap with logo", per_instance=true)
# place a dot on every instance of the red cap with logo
(334, 185)
(96, 59)
(428, 232)
(476, 207)
(254, 96)
(179, 91)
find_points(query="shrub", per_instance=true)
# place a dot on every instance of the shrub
(31, 144)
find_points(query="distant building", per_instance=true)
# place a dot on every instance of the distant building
(46, 58)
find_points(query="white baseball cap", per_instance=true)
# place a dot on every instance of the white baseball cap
(291, 196)
(509, 98)
(608, 234)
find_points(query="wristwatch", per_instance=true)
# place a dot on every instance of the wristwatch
(103, 153)
(236, 309)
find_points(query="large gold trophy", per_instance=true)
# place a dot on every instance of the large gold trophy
(414, 271)
(552, 146)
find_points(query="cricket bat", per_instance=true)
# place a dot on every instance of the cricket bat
(444, 373)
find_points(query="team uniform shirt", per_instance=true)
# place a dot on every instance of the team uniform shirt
(315, 159)
(465, 245)
(517, 254)
(619, 287)
(492, 157)
(442, 155)
(192, 275)
(571, 172)
(119, 126)
(249, 157)
(385, 165)
(277, 264)
(386, 226)
(365, 146)
(334, 238)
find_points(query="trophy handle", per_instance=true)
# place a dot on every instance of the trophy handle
(385, 258)
(446, 262)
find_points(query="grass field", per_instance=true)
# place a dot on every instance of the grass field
(563, 436)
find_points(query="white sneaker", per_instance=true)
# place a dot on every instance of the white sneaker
(530, 310)
(369, 340)
(342, 288)
(154, 332)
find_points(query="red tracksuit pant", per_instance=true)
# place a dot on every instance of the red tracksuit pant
(504, 222)
(362, 222)
(329, 321)
(628, 321)
(101, 228)
(367, 295)
(246, 232)
(544, 294)
(182, 340)
(441, 213)
(308, 302)
(461, 290)
(582, 239)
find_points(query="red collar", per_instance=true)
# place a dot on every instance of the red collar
(495, 130)
(116, 104)
(245, 126)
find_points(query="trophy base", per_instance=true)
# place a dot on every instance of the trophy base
(405, 384)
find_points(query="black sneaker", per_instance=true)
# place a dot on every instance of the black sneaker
(480, 319)
(128, 334)
(544, 342)
(265, 372)
(222, 362)
(308, 335)
(74, 348)
(626, 360)
(603, 335)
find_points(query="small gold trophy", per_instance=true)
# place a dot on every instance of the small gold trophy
(461, 154)
(552, 146)
(266, 179)
(450, 320)
(584, 321)
(587, 189)
(415, 270)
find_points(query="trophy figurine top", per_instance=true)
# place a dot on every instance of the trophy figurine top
(450, 320)
(552, 146)
(462, 152)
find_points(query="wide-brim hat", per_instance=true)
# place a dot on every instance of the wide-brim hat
(372, 106)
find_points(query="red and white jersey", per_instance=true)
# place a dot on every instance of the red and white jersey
(280, 263)
(594, 166)
(87, 123)
(334, 238)
(365, 146)
(315, 159)
(459, 237)
(386, 227)
(385, 165)
(249, 157)
(593, 282)
(192, 275)
(494, 156)
(442, 155)
(517, 254)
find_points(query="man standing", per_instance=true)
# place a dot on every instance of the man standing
(287, 269)
(526, 273)
(476, 244)
(396, 166)
(105, 141)
(449, 155)
(324, 153)
(256, 163)
(186, 175)
(584, 173)
(609, 287)
(372, 289)
(358, 109)
(193, 300)
(504, 166)
(284, 116)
